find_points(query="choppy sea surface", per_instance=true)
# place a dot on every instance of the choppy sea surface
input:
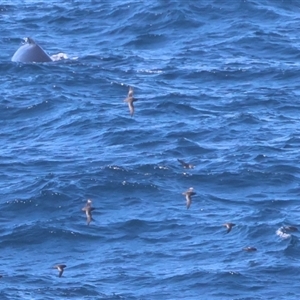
(217, 84)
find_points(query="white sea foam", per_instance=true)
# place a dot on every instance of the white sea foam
(280, 232)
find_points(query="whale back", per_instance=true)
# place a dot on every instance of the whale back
(30, 52)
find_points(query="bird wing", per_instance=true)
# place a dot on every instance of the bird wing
(89, 215)
(188, 201)
(182, 162)
(88, 219)
(130, 92)
(131, 107)
(61, 270)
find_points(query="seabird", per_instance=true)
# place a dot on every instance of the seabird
(130, 99)
(188, 196)
(60, 268)
(228, 226)
(249, 249)
(186, 165)
(290, 228)
(88, 211)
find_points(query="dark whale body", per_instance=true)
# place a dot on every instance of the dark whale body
(30, 52)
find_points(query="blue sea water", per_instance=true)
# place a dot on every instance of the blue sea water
(217, 84)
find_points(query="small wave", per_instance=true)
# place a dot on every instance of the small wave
(282, 234)
(59, 56)
(283, 231)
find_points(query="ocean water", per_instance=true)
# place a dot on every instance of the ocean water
(217, 86)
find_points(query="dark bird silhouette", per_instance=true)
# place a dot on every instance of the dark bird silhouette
(249, 249)
(228, 226)
(60, 268)
(186, 165)
(188, 196)
(290, 228)
(88, 211)
(130, 99)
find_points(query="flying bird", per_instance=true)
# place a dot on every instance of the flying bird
(60, 268)
(186, 165)
(249, 249)
(88, 211)
(188, 196)
(290, 228)
(130, 99)
(228, 226)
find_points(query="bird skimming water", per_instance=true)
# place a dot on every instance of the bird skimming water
(60, 268)
(88, 211)
(228, 226)
(188, 196)
(185, 165)
(130, 99)
(249, 249)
